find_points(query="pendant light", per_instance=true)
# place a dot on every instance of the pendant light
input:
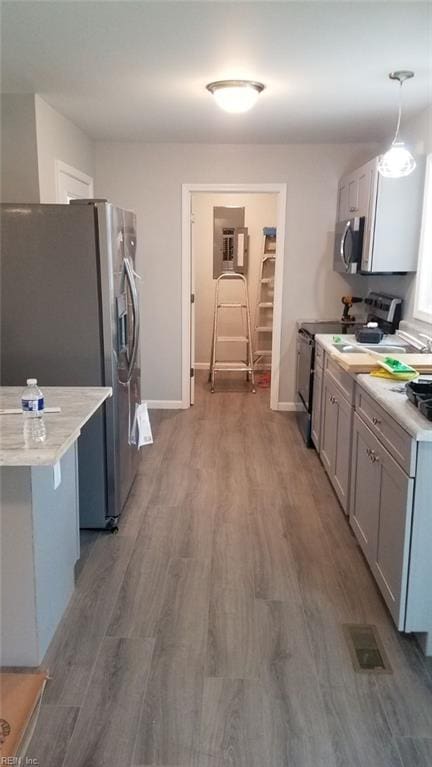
(235, 95)
(398, 160)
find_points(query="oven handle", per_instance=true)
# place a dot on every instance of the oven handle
(342, 245)
(305, 347)
(304, 337)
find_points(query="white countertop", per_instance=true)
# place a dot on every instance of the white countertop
(396, 404)
(77, 403)
(327, 341)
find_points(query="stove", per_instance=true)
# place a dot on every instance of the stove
(382, 308)
(335, 327)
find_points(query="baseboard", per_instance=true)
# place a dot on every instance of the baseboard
(164, 404)
(201, 365)
(293, 407)
(168, 404)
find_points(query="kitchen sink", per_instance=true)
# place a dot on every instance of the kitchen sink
(380, 348)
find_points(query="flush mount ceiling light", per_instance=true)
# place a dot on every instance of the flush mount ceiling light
(398, 160)
(235, 95)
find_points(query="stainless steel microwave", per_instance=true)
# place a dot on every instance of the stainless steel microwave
(348, 245)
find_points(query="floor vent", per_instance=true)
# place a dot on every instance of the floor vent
(366, 650)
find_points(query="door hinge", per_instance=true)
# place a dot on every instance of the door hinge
(192, 373)
(192, 298)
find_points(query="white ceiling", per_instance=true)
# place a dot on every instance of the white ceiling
(138, 70)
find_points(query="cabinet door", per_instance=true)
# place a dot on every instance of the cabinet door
(380, 515)
(366, 179)
(365, 491)
(342, 461)
(367, 204)
(394, 532)
(353, 192)
(316, 406)
(328, 427)
(342, 208)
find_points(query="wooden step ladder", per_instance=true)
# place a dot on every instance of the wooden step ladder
(246, 365)
(264, 304)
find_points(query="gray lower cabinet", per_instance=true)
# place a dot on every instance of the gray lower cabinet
(380, 515)
(328, 426)
(39, 546)
(335, 438)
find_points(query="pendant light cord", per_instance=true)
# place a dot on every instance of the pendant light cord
(399, 112)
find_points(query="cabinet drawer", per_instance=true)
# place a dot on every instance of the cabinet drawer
(398, 442)
(319, 355)
(345, 382)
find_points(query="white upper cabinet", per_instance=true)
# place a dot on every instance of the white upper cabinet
(352, 197)
(356, 191)
(366, 180)
(392, 211)
(342, 211)
(353, 194)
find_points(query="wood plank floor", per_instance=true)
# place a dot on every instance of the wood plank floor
(208, 632)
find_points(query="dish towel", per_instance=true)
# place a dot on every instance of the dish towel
(141, 433)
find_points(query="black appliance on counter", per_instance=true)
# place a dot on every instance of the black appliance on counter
(382, 308)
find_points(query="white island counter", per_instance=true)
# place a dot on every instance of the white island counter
(39, 519)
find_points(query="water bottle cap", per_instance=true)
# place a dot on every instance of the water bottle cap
(31, 381)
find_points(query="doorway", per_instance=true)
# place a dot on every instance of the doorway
(199, 200)
(71, 183)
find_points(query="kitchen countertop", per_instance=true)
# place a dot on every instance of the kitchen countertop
(363, 362)
(382, 390)
(396, 404)
(77, 403)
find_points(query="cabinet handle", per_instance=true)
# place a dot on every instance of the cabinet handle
(376, 421)
(372, 455)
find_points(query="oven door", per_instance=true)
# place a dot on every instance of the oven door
(305, 350)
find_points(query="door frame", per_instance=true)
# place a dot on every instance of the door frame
(187, 191)
(69, 170)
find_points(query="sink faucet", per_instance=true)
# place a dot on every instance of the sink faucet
(428, 341)
(422, 347)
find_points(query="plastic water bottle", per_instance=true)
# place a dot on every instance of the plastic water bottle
(32, 404)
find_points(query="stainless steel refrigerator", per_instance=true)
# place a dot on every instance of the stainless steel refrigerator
(70, 317)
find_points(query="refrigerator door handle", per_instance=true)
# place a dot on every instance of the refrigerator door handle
(136, 316)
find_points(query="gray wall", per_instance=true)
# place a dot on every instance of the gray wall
(19, 162)
(33, 137)
(59, 139)
(148, 178)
